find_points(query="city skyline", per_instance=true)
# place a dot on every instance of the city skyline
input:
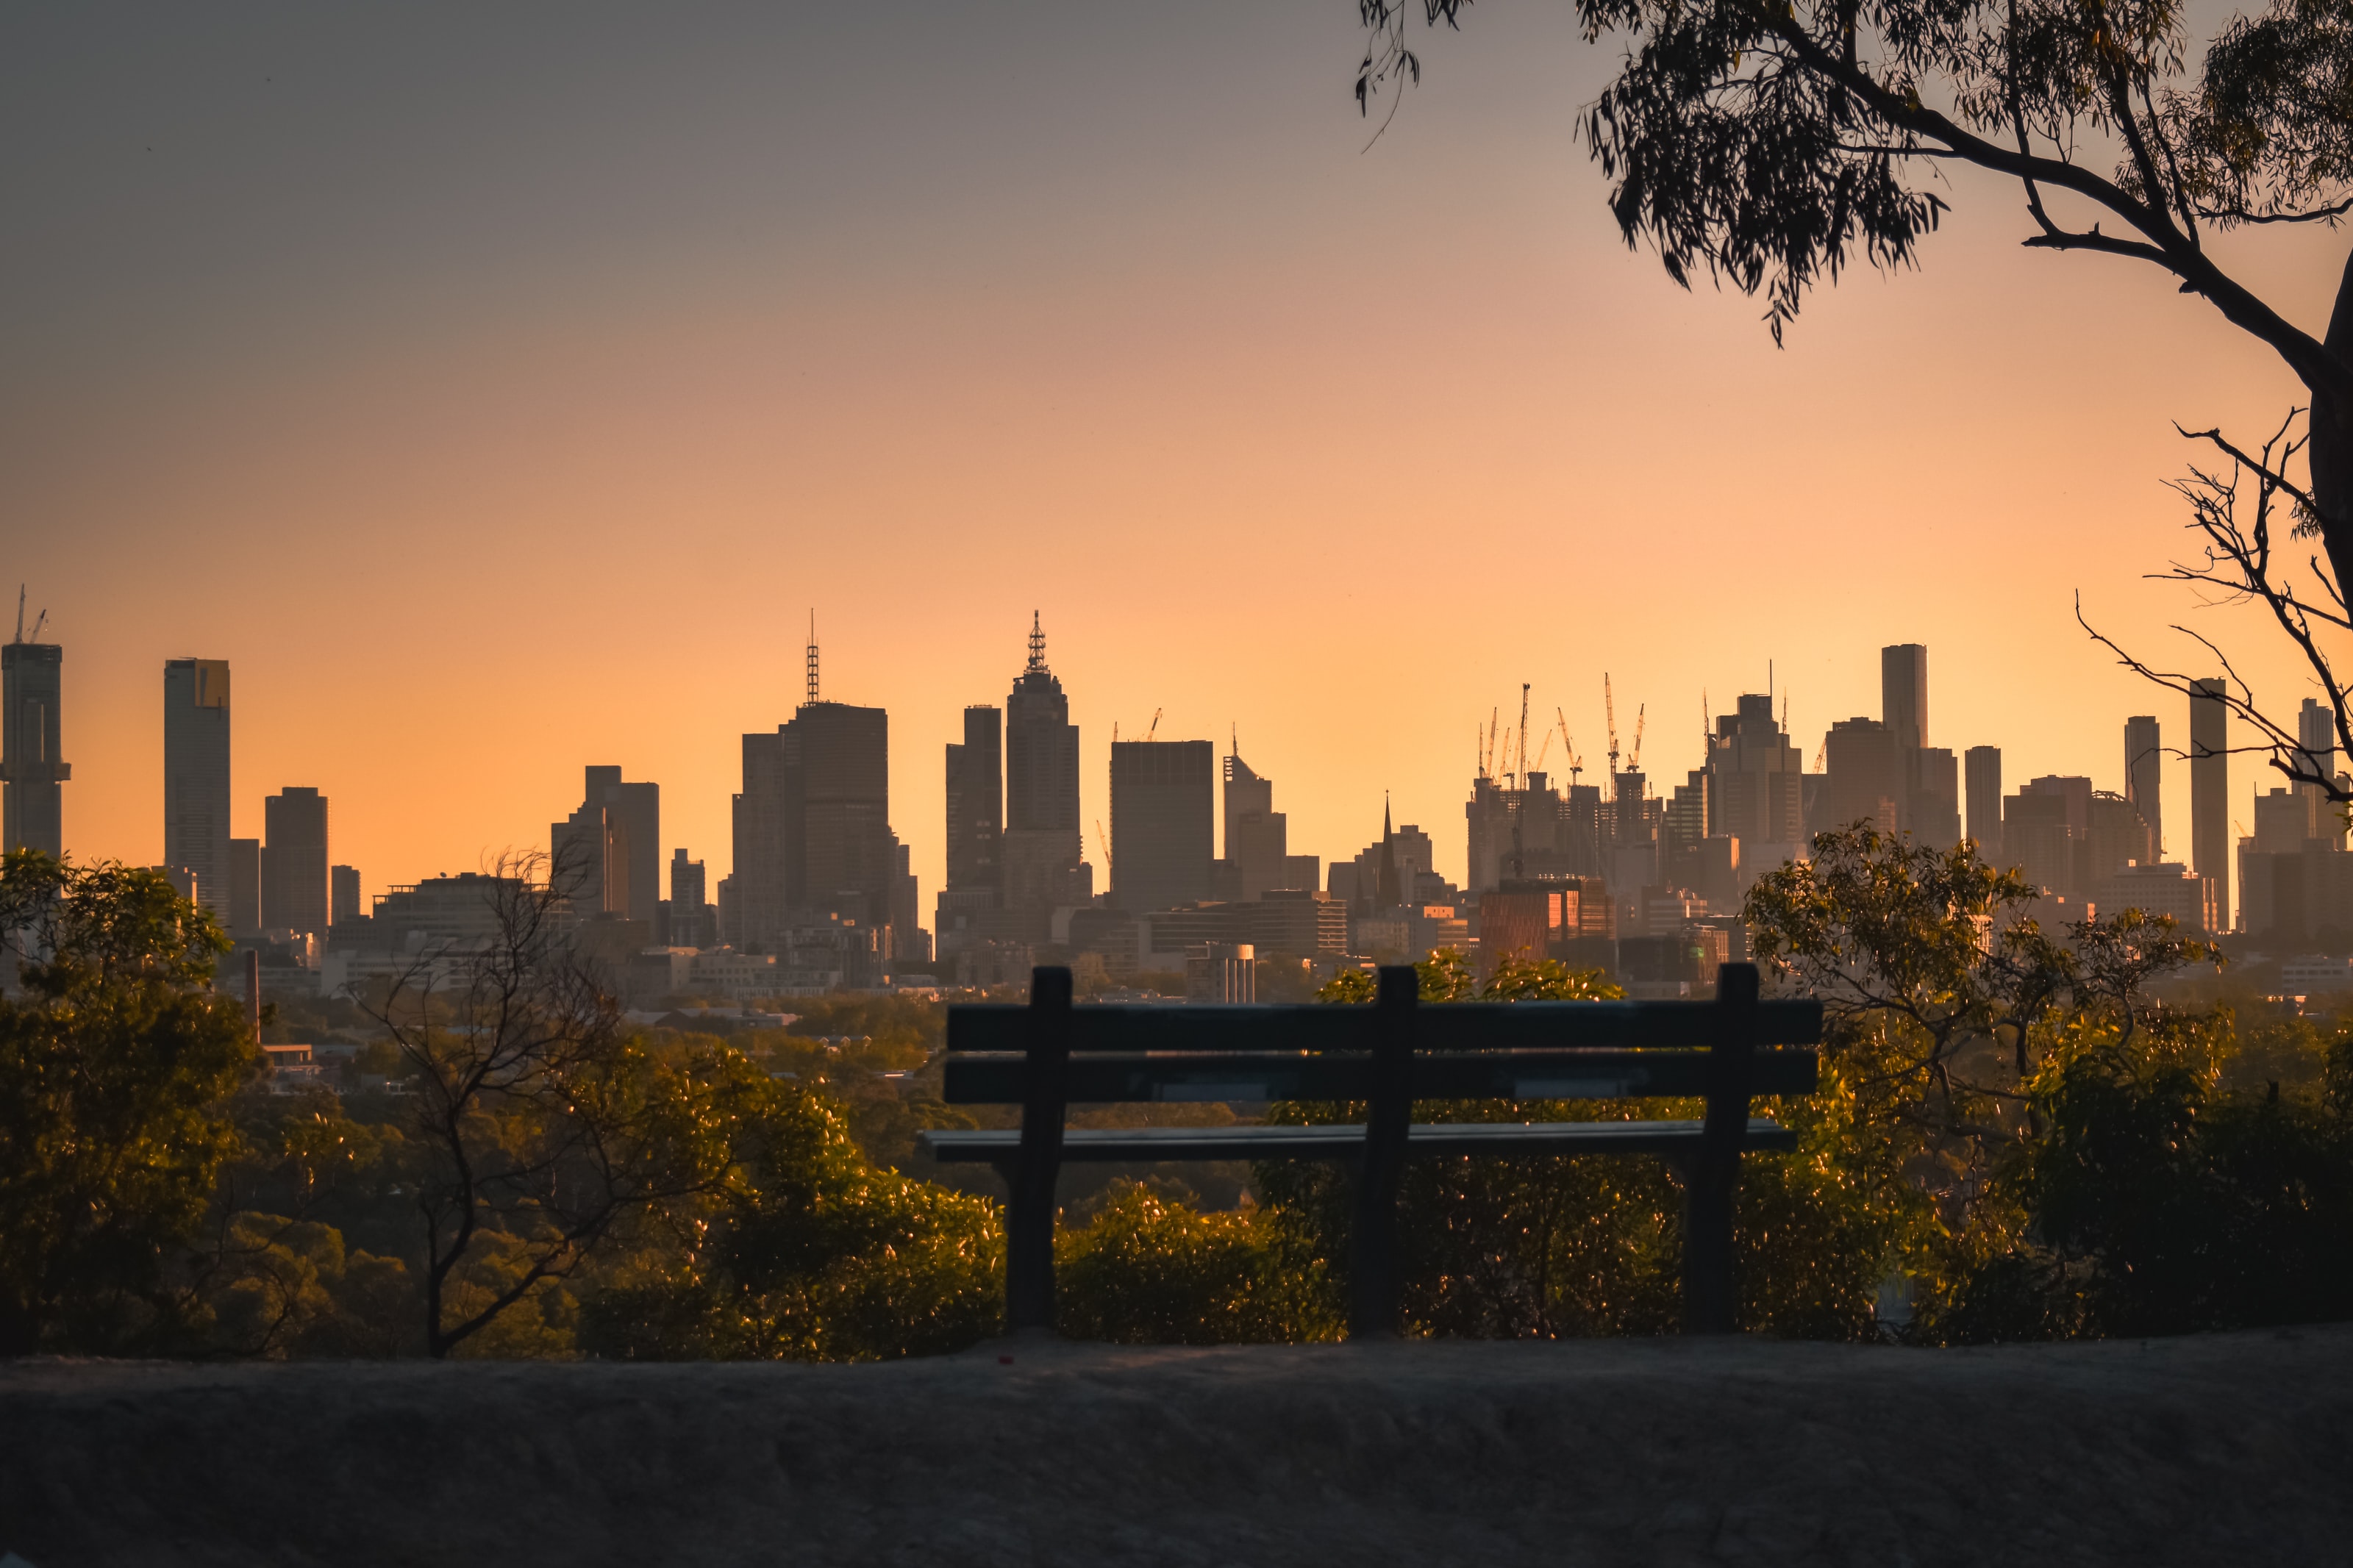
(773, 353)
(1904, 690)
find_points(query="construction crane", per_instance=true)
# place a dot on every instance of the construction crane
(1576, 764)
(1634, 762)
(1609, 712)
(1148, 734)
(37, 625)
(1821, 753)
(1524, 734)
(1104, 839)
(1544, 751)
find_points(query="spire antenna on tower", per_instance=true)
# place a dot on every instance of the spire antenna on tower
(812, 656)
(1037, 644)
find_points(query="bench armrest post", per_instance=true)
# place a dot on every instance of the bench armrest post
(1030, 1213)
(1374, 1275)
(1713, 1177)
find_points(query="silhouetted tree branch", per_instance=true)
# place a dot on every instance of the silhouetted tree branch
(542, 1122)
(1769, 142)
(2248, 516)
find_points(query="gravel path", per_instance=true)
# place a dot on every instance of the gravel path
(2228, 1449)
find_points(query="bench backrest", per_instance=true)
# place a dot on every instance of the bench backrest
(1466, 1050)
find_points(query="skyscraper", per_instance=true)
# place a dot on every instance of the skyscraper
(1983, 765)
(609, 850)
(1755, 792)
(2209, 789)
(2145, 778)
(1045, 859)
(2316, 738)
(1865, 776)
(692, 920)
(32, 682)
(1163, 823)
(343, 895)
(244, 886)
(294, 861)
(975, 804)
(195, 776)
(1904, 694)
(812, 825)
(1258, 837)
(1928, 787)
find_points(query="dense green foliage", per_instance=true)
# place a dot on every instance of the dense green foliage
(116, 1062)
(809, 1253)
(1556, 1246)
(2009, 1127)
(1149, 1270)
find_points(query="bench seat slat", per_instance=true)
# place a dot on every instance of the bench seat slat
(1316, 1027)
(1346, 1141)
(1128, 1076)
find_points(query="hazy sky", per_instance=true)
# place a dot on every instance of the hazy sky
(499, 388)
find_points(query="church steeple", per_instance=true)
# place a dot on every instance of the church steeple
(1387, 893)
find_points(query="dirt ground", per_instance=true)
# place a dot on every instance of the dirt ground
(2230, 1450)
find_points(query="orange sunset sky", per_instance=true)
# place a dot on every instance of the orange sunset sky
(498, 390)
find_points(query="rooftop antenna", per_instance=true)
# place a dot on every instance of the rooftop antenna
(812, 656)
(1037, 645)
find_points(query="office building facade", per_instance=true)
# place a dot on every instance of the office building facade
(343, 905)
(196, 777)
(1163, 823)
(32, 694)
(294, 862)
(2210, 786)
(1044, 851)
(244, 888)
(975, 804)
(2144, 776)
(1982, 766)
(812, 827)
(608, 853)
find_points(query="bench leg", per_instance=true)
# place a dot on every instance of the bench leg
(1376, 1285)
(1030, 1210)
(1712, 1177)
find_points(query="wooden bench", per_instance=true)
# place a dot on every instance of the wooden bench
(1049, 1055)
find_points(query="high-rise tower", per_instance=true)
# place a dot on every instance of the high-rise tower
(608, 851)
(813, 839)
(975, 804)
(1904, 694)
(1983, 766)
(1045, 866)
(2145, 779)
(31, 687)
(2210, 791)
(196, 777)
(294, 862)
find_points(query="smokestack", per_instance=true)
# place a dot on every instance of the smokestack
(253, 991)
